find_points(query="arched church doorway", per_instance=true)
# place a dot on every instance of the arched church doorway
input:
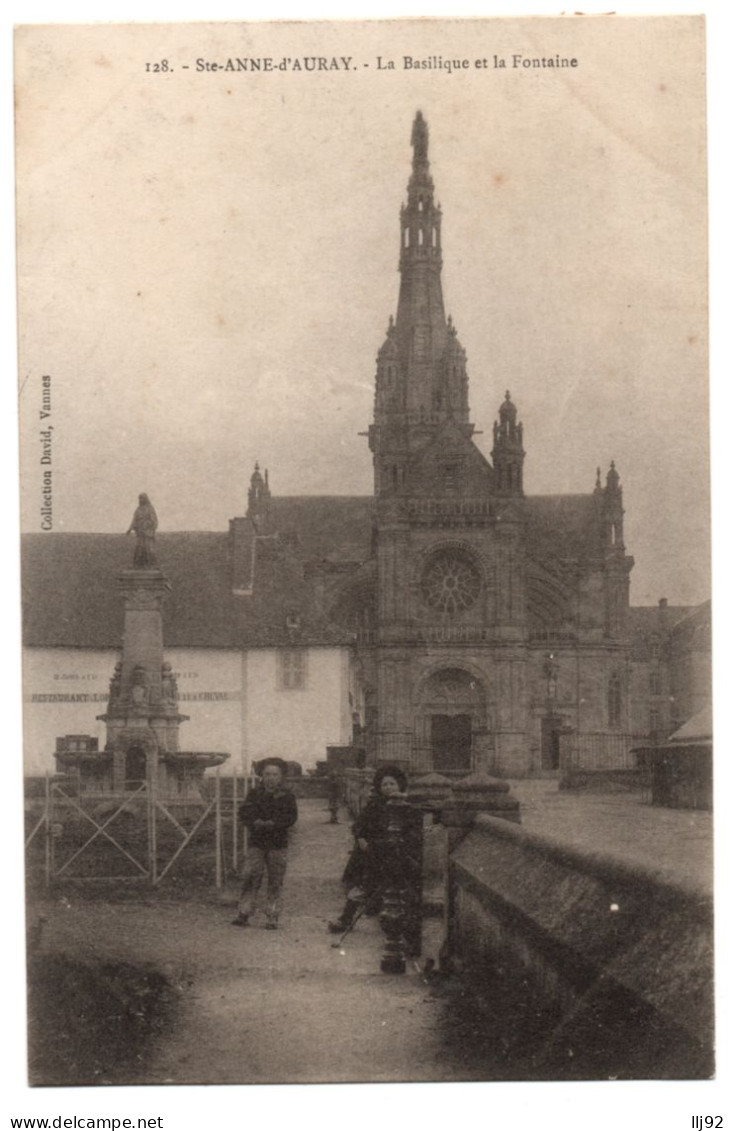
(451, 742)
(451, 714)
(550, 742)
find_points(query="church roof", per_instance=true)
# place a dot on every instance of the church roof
(694, 630)
(338, 527)
(562, 526)
(645, 619)
(239, 589)
(282, 610)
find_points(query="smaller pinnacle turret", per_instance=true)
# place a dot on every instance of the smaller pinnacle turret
(258, 508)
(613, 510)
(508, 453)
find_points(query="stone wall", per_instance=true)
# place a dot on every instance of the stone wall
(596, 969)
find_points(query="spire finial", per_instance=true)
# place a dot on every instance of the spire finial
(419, 139)
(612, 478)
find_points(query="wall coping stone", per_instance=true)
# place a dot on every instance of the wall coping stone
(593, 863)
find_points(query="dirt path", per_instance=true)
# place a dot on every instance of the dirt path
(255, 1006)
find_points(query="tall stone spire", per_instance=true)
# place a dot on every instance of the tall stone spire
(421, 367)
(421, 327)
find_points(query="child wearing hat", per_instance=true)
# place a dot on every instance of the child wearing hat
(269, 813)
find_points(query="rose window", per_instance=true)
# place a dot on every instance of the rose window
(450, 583)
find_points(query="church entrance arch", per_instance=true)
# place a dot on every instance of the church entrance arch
(451, 715)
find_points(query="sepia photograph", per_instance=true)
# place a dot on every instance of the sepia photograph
(365, 551)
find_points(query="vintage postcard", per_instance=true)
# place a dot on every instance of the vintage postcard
(366, 551)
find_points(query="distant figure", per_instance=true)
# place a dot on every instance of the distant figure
(144, 524)
(334, 796)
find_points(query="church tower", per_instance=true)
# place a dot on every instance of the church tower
(499, 626)
(449, 566)
(421, 367)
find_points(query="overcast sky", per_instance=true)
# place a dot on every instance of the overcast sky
(208, 261)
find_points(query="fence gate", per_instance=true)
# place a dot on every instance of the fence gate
(132, 835)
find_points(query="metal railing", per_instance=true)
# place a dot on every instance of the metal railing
(599, 751)
(74, 824)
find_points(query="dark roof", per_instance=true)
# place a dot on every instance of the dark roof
(282, 610)
(645, 620)
(562, 526)
(70, 596)
(697, 731)
(694, 631)
(337, 527)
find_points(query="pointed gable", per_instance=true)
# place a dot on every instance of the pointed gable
(450, 465)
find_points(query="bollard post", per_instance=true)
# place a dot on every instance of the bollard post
(400, 917)
(392, 915)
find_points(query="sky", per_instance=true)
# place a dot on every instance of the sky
(208, 261)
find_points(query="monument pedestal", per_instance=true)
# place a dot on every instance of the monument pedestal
(142, 715)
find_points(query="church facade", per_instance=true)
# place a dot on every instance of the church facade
(500, 627)
(450, 622)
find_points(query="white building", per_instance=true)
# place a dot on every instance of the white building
(261, 668)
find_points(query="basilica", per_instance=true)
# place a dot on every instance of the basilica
(449, 622)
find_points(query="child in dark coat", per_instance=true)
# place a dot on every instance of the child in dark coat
(368, 868)
(269, 813)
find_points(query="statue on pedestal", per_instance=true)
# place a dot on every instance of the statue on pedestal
(169, 685)
(115, 683)
(144, 525)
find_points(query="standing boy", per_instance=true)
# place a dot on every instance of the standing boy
(268, 813)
